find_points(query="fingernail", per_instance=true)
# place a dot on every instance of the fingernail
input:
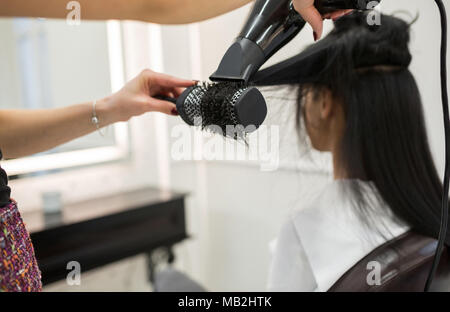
(315, 36)
(174, 112)
(338, 17)
(349, 12)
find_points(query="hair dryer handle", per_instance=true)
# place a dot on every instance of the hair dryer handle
(327, 6)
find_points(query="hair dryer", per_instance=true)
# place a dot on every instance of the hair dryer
(270, 26)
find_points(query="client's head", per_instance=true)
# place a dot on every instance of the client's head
(365, 108)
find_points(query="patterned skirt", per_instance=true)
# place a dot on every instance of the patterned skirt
(18, 266)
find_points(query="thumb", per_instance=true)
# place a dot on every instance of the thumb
(313, 17)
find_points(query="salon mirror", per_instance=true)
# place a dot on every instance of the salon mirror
(47, 63)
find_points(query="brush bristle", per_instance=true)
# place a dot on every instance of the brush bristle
(214, 103)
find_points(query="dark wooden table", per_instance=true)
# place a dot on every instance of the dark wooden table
(103, 230)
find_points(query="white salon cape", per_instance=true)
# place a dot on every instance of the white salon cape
(324, 238)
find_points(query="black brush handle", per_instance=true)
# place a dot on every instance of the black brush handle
(166, 98)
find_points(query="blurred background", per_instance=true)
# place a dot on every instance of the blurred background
(233, 208)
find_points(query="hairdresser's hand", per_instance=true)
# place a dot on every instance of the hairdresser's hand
(138, 96)
(313, 17)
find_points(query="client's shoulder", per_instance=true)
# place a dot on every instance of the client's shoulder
(330, 195)
(332, 204)
(337, 206)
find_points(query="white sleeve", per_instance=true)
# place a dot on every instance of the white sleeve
(290, 269)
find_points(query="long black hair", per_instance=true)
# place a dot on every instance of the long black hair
(385, 139)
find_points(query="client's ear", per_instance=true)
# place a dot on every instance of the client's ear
(327, 104)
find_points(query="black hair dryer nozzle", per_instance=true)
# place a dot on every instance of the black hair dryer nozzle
(271, 24)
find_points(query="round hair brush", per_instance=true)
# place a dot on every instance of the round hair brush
(230, 106)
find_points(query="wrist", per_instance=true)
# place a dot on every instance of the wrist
(104, 112)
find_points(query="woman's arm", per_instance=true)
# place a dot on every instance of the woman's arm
(25, 132)
(155, 11)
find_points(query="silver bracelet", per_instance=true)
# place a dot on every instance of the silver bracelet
(94, 119)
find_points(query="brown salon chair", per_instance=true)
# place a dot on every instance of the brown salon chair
(405, 263)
